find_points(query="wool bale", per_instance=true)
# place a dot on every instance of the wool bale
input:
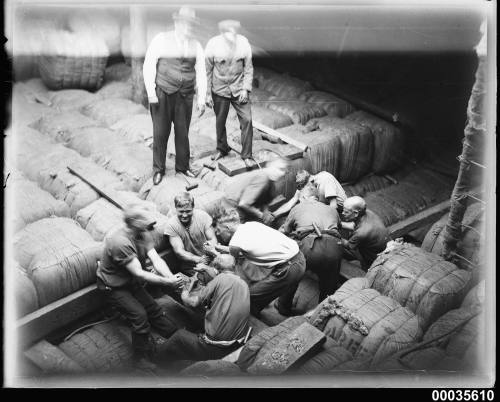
(164, 193)
(26, 298)
(332, 105)
(307, 295)
(262, 74)
(260, 97)
(117, 72)
(32, 203)
(71, 99)
(73, 60)
(270, 118)
(299, 111)
(285, 86)
(58, 125)
(369, 325)
(25, 108)
(136, 128)
(328, 358)
(116, 89)
(366, 185)
(423, 282)
(102, 347)
(58, 255)
(265, 341)
(212, 368)
(89, 141)
(388, 141)
(427, 358)
(199, 146)
(109, 111)
(130, 162)
(476, 295)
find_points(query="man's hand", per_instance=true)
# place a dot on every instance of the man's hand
(243, 98)
(209, 249)
(281, 229)
(209, 102)
(204, 259)
(201, 109)
(153, 99)
(267, 218)
(175, 281)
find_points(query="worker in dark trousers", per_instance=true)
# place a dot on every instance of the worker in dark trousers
(173, 65)
(121, 277)
(270, 262)
(227, 302)
(229, 82)
(315, 226)
(251, 192)
(369, 237)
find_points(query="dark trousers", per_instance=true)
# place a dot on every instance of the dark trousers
(323, 256)
(244, 112)
(185, 345)
(282, 283)
(174, 108)
(139, 308)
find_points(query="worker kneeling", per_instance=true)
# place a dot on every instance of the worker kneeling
(315, 226)
(227, 302)
(270, 262)
(121, 276)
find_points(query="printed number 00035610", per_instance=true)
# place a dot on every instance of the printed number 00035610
(463, 395)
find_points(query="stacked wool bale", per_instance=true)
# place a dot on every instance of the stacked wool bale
(454, 342)
(116, 89)
(71, 99)
(26, 107)
(137, 128)
(470, 247)
(388, 141)
(340, 147)
(369, 325)
(45, 162)
(25, 295)
(73, 60)
(332, 105)
(111, 110)
(422, 282)
(32, 203)
(367, 185)
(414, 192)
(212, 368)
(58, 256)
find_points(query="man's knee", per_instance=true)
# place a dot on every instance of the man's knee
(140, 322)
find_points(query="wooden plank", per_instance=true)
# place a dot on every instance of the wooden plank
(283, 137)
(429, 215)
(51, 359)
(293, 347)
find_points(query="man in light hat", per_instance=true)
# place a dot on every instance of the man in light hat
(174, 64)
(121, 277)
(229, 82)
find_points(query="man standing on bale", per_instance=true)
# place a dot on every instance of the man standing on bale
(227, 302)
(271, 263)
(229, 77)
(121, 277)
(173, 64)
(188, 230)
(315, 226)
(251, 192)
(327, 187)
(370, 236)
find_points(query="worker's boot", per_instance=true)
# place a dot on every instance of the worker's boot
(142, 352)
(163, 324)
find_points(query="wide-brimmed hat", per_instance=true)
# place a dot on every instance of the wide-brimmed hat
(185, 14)
(229, 26)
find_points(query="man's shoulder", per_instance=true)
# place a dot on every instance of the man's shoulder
(117, 238)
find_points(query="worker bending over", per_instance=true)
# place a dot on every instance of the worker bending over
(369, 237)
(227, 302)
(315, 226)
(121, 276)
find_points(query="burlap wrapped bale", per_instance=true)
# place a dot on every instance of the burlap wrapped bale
(212, 368)
(366, 185)
(164, 193)
(116, 89)
(101, 23)
(32, 203)
(266, 340)
(299, 111)
(58, 255)
(285, 86)
(476, 295)
(137, 128)
(109, 111)
(369, 325)
(103, 347)
(423, 282)
(270, 118)
(307, 294)
(388, 141)
(117, 72)
(332, 105)
(26, 298)
(260, 97)
(331, 355)
(471, 245)
(73, 60)
(71, 99)
(25, 108)
(58, 125)
(130, 162)
(199, 145)
(262, 74)
(427, 358)
(89, 141)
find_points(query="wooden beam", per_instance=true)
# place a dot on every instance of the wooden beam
(283, 137)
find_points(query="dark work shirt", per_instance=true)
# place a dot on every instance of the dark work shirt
(370, 237)
(251, 188)
(308, 212)
(119, 249)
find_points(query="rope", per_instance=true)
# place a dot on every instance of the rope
(461, 159)
(113, 317)
(475, 198)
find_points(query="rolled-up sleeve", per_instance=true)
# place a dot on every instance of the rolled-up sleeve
(248, 69)
(201, 74)
(149, 66)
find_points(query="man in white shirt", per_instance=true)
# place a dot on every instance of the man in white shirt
(173, 64)
(229, 81)
(271, 263)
